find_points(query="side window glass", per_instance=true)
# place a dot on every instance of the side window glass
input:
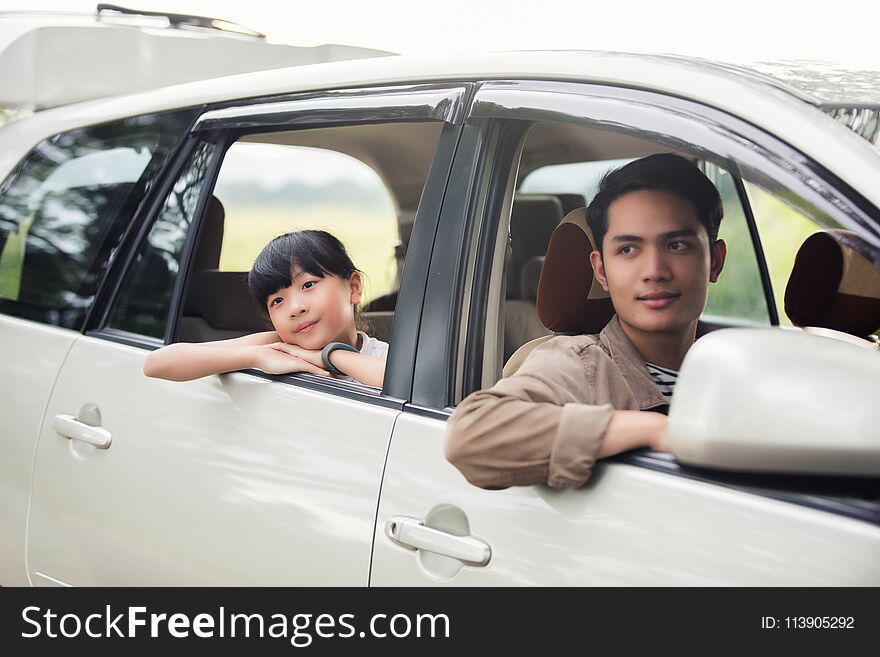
(783, 230)
(64, 210)
(270, 189)
(738, 293)
(360, 183)
(825, 279)
(144, 299)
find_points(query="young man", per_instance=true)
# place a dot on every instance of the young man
(576, 399)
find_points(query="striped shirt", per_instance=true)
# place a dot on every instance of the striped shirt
(664, 379)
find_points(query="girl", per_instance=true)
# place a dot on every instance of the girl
(308, 286)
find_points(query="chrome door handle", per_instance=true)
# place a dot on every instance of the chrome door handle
(411, 533)
(70, 427)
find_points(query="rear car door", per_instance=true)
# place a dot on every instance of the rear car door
(242, 478)
(63, 211)
(642, 519)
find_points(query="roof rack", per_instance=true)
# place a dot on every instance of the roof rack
(182, 20)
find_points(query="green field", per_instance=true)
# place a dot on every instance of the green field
(368, 234)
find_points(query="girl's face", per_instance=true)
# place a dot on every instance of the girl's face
(315, 311)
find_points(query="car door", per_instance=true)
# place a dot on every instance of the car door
(241, 478)
(642, 519)
(63, 210)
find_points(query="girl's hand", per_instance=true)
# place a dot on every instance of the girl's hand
(277, 361)
(308, 355)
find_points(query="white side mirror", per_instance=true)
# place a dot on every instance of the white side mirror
(775, 400)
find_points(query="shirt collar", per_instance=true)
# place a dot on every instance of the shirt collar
(631, 365)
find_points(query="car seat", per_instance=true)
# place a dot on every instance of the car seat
(569, 299)
(218, 305)
(833, 290)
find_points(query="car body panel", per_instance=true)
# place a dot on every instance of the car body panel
(32, 355)
(232, 479)
(628, 526)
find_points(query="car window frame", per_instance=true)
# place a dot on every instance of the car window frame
(740, 147)
(225, 123)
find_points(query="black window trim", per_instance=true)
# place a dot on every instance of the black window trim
(763, 269)
(443, 101)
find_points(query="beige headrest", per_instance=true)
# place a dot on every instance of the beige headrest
(570, 300)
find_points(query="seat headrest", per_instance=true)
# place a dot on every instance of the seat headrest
(207, 255)
(529, 277)
(571, 202)
(832, 286)
(532, 220)
(223, 300)
(570, 300)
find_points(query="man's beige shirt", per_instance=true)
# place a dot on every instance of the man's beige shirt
(545, 423)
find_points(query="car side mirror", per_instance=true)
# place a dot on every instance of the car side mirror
(778, 400)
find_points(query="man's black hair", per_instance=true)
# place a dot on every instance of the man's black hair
(664, 172)
(314, 251)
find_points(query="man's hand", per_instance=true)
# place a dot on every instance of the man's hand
(660, 436)
(633, 429)
(272, 360)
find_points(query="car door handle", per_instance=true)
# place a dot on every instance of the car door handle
(69, 427)
(411, 533)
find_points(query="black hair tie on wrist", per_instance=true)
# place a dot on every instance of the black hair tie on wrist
(330, 348)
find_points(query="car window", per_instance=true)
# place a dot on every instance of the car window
(361, 183)
(270, 189)
(144, 299)
(65, 208)
(554, 166)
(571, 178)
(738, 293)
(783, 229)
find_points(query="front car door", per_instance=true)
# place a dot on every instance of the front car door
(242, 478)
(642, 518)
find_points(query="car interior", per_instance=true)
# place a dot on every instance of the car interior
(547, 283)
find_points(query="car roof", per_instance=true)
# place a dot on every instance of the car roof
(48, 59)
(775, 106)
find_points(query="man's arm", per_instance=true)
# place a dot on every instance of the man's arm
(543, 425)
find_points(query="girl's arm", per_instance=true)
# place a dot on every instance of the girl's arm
(185, 361)
(366, 369)
(369, 370)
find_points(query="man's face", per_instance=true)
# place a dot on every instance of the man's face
(657, 261)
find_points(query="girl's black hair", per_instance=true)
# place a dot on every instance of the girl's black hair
(314, 251)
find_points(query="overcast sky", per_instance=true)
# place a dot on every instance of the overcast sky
(738, 31)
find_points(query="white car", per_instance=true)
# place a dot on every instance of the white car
(128, 222)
